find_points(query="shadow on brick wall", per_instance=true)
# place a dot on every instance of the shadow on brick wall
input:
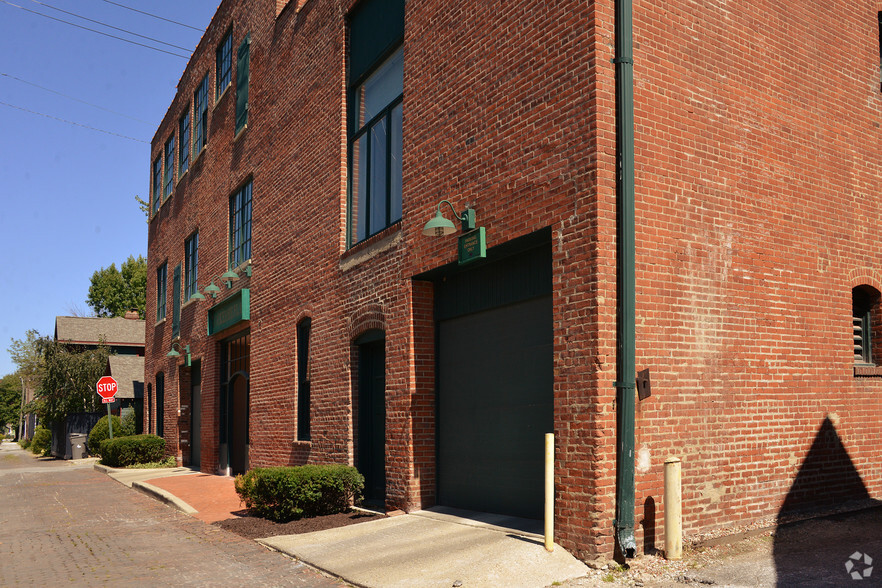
(816, 551)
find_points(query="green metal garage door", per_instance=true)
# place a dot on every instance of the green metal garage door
(495, 386)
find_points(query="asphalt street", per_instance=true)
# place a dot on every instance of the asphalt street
(64, 524)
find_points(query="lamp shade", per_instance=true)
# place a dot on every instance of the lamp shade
(230, 275)
(173, 353)
(439, 226)
(196, 296)
(212, 289)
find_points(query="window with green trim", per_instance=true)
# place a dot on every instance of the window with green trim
(224, 58)
(169, 166)
(376, 92)
(184, 143)
(240, 226)
(242, 65)
(161, 274)
(191, 265)
(157, 183)
(200, 116)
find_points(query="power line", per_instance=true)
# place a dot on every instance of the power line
(104, 24)
(70, 122)
(93, 30)
(154, 16)
(73, 98)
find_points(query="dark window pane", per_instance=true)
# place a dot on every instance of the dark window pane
(224, 63)
(377, 172)
(395, 165)
(157, 183)
(169, 166)
(184, 147)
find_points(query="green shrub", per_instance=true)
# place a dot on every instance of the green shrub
(41, 443)
(285, 493)
(24, 443)
(125, 451)
(100, 432)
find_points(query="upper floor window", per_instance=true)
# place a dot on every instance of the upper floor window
(191, 265)
(184, 142)
(375, 117)
(224, 63)
(169, 166)
(160, 291)
(242, 65)
(157, 183)
(240, 226)
(865, 315)
(200, 116)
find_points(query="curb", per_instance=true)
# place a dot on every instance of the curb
(163, 496)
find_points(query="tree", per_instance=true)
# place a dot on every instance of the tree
(10, 400)
(144, 206)
(28, 356)
(113, 292)
(69, 379)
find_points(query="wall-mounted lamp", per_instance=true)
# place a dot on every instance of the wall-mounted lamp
(228, 277)
(440, 226)
(177, 352)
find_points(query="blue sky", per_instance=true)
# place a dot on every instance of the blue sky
(68, 192)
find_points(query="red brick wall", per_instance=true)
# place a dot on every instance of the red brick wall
(757, 171)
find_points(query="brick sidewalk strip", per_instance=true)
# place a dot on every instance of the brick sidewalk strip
(64, 525)
(213, 497)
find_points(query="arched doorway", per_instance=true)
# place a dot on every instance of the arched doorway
(371, 440)
(235, 405)
(238, 389)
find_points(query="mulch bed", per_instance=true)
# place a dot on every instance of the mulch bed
(256, 527)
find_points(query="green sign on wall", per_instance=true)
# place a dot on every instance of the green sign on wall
(472, 246)
(234, 309)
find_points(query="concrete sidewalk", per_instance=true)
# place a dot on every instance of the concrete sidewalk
(435, 548)
(438, 547)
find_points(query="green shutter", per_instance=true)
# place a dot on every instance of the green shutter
(242, 64)
(376, 27)
(176, 302)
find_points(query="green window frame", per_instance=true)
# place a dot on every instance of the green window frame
(184, 143)
(200, 114)
(240, 226)
(243, 63)
(161, 294)
(169, 166)
(224, 60)
(191, 265)
(376, 94)
(157, 183)
(176, 301)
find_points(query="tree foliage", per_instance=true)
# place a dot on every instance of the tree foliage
(68, 384)
(10, 400)
(28, 356)
(113, 292)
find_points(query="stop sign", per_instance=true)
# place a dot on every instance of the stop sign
(106, 388)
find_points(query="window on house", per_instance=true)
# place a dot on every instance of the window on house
(224, 63)
(240, 226)
(865, 314)
(303, 380)
(376, 86)
(191, 265)
(161, 291)
(184, 146)
(242, 65)
(200, 116)
(169, 166)
(157, 184)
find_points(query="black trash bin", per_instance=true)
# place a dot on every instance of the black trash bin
(78, 445)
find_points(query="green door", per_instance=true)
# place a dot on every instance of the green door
(371, 454)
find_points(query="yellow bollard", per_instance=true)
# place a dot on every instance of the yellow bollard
(673, 510)
(549, 491)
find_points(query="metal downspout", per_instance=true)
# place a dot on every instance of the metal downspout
(625, 317)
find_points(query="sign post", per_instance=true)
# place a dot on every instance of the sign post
(107, 388)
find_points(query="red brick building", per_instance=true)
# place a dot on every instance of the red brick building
(320, 136)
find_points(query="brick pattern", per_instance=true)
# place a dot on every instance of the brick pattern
(756, 157)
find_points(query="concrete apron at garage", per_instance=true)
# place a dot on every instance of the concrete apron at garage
(434, 548)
